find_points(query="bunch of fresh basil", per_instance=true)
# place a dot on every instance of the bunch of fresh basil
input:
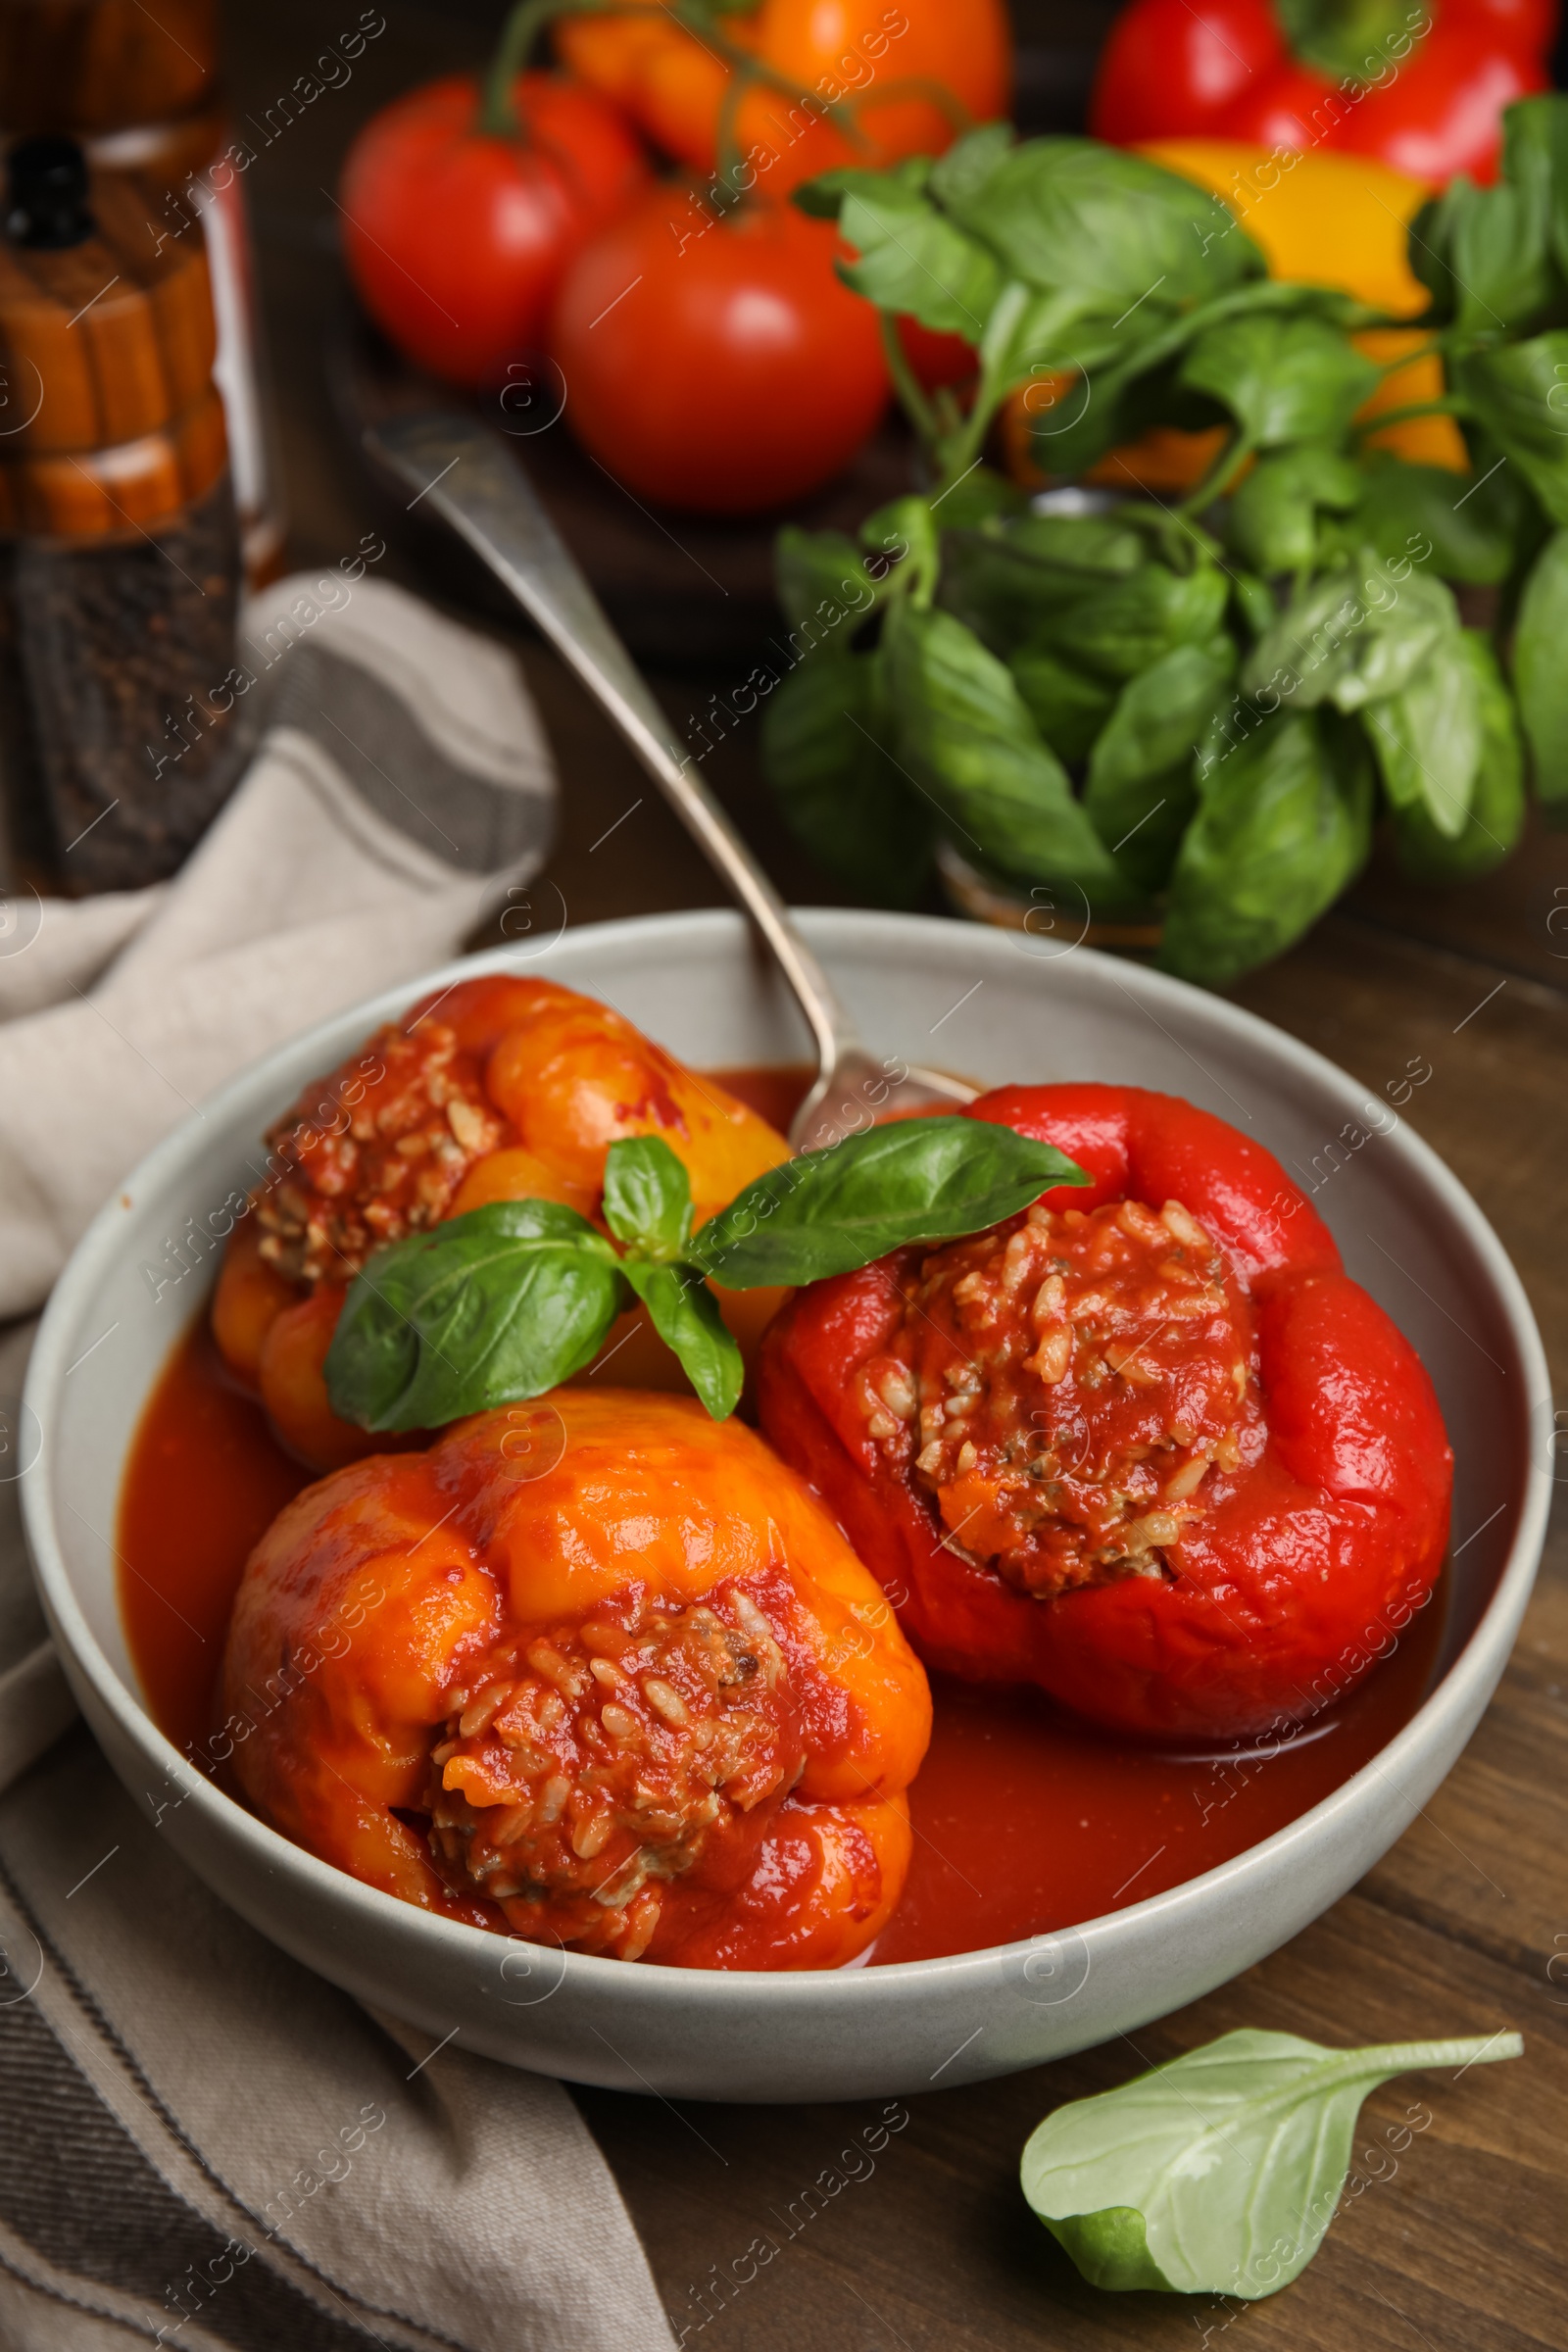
(1196, 712)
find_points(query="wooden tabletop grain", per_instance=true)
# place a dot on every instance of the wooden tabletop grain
(914, 2234)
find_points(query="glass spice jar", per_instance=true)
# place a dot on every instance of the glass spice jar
(140, 88)
(120, 733)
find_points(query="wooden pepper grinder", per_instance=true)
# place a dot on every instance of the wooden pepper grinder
(118, 549)
(139, 87)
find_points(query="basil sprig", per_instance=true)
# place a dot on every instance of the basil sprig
(1107, 714)
(514, 1297)
(1219, 2173)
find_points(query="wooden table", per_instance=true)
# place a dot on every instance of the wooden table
(1462, 1929)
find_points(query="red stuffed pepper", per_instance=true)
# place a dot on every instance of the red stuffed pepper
(1147, 1445)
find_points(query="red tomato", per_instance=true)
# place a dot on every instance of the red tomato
(719, 364)
(938, 360)
(457, 239)
(1169, 69)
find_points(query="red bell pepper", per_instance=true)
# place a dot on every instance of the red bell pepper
(1147, 1445)
(1424, 93)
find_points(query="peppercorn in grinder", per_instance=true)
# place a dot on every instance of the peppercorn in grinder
(119, 550)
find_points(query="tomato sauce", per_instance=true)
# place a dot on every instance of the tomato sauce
(1027, 1820)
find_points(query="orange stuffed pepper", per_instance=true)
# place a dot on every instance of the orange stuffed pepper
(498, 1089)
(594, 1670)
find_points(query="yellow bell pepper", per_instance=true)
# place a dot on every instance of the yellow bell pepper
(1323, 219)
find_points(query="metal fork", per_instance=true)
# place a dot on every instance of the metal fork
(469, 478)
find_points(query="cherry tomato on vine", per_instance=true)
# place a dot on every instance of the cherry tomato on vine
(839, 50)
(717, 363)
(457, 238)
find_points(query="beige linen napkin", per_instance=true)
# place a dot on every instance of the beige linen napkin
(201, 2144)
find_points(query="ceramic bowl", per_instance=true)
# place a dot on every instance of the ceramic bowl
(996, 1006)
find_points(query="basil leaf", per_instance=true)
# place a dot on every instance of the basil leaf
(1067, 705)
(962, 174)
(913, 1180)
(1353, 636)
(1540, 674)
(1282, 378)
(1273, 522)
(1284, 822)
(1495, 817)
(1500, 239)
(964, 734)
(1068, 214)
(1519, 393)
(1428, 737)
(908, 256)
(685, 1314)
(1219, 2173)
(824, 584)
(504, 1302)
(1470, 530)
(840, 793)
(648, 1196)
(1141, 792)
(1121, 628)
(1005, 582)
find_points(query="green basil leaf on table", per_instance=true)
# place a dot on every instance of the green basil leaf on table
(966, 737)
(685, 1314)
(1284, 822)
(840, 791)
(1427, 738)
(1273, 522)
(1071, 214)
(1541, 672)
(1141, 792)
(1518, 392)
(1066, 704)
(1220, 2172)
(1118, 630)
(1282, 378)
(1470, 528)
(1495, 816)
(913, 1180)
(648, 1196)
(502, 1303)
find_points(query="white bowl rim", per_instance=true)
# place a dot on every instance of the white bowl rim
(1476, 1664)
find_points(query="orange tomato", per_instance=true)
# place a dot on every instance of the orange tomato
(862, 54)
